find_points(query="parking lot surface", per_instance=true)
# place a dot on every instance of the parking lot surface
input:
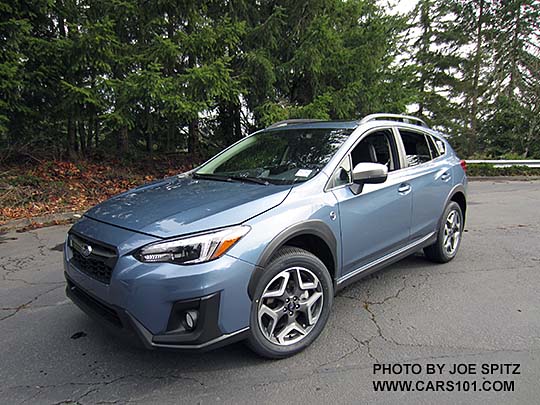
(482, 308)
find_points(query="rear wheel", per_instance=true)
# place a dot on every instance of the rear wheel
(449, 236)
(291, 304)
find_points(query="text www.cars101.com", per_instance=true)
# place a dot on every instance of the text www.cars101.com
(444, 386)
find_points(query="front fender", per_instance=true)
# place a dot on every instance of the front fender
(313, 227)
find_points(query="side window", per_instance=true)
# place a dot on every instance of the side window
(375, 148)
(342, 175)
(416, 147)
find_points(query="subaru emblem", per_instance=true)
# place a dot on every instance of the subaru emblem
(86, 250)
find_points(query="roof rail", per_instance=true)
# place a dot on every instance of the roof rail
(409, 119)
(291, 122)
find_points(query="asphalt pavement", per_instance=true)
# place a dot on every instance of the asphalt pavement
(480, 311)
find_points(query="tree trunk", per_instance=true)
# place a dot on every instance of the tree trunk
(237, 122)
(471, 144)
(90, 133)
(193, 138)
(425, 22)
(61, 23)
(82, 137)
(193, 126)
(514, 58)
(230, 122)
(170, 134)
(96, 131)
(71, 140)
(149, 137)
(149, 143)
(171, 118)
(123, 141)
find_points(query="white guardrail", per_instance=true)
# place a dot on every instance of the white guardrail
(508, 163)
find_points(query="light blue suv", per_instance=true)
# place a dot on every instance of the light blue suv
(254, 243)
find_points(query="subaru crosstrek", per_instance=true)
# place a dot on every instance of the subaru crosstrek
(254, 243)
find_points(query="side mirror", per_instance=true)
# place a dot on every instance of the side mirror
(368, 173)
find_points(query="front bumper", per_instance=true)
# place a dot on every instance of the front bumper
(205, 336)
(141, 299)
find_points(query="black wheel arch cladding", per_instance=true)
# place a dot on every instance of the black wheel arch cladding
(309, 228)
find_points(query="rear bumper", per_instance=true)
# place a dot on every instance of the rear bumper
(205, 336)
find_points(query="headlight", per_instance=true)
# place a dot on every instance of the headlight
(192, 249)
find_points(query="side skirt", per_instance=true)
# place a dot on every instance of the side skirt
(385, 260)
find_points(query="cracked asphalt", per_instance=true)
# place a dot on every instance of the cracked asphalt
(483, 307)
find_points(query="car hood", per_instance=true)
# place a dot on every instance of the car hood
(181, 205)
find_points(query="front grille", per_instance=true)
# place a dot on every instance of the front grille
(93, 268)
(93, 259)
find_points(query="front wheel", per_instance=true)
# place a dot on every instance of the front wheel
(291, 304)
(449, 236)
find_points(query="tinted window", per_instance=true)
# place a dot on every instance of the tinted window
(375, 148)
(342, 175)
(416, 147)
(280, 156)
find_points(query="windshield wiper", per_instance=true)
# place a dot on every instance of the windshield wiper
(209, 176)
(249, 179)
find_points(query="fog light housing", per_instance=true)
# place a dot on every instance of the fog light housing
(192, 322)
(191, 319)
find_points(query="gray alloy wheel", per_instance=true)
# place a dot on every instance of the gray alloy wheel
(290, 306)
(449, 235)
(452, 232)
(291, 303)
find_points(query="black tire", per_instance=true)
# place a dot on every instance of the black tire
(437, 252)
(286, 258)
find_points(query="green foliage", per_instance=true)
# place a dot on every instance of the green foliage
(271, 112)
(84, 77)
(477, 67)
(488, 170)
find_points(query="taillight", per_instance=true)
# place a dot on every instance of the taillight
(463, 165)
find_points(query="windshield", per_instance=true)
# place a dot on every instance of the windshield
(278, 157)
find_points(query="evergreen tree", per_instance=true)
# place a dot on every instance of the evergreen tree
(83, 76)
(438, 38)
(476, 18)
(14, 29)
(511, 121)
(336, 61)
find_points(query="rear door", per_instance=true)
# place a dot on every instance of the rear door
(377, 220)
(430, 176)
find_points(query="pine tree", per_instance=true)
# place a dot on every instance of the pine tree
(476, 19)
(335, 59)
(511, 122)
(436, 58)
(14, 29)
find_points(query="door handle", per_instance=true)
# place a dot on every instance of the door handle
(404, 188)
(446, 176)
